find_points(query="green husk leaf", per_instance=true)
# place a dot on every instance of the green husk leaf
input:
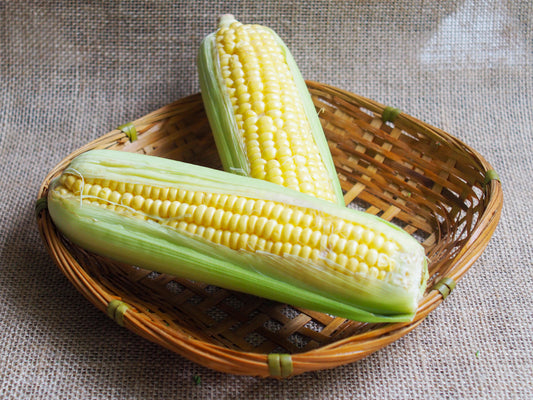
(218, 108)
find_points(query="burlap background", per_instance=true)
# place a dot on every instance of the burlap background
(71, 71)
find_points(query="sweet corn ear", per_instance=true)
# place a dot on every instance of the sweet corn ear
(239, 233)
(260, 111)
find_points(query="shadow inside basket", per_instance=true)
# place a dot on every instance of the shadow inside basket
(230, 319)
(420, 182)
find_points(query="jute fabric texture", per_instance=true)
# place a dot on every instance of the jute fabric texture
(72, 71)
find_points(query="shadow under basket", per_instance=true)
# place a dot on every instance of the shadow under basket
(389, 164)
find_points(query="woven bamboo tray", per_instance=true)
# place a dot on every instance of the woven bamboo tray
(390, 164)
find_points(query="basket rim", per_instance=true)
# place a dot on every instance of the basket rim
(229, 360)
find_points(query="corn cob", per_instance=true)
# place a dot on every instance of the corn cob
(260, 111)
(248, 235)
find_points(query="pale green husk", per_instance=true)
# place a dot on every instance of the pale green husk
(221, 118)
(286, 279)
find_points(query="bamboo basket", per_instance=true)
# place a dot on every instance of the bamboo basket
(389, 164)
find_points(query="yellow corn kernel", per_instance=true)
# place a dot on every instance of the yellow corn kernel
(250, 224)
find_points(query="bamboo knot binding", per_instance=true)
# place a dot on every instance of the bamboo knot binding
(491, 175)
(40, 205)
(129, 130)
(445, 286)
(279, 365)
(116, 310)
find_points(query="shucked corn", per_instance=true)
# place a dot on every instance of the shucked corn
(261, 114)
(249, 235)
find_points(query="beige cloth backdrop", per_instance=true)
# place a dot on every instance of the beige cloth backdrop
(71, 71)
